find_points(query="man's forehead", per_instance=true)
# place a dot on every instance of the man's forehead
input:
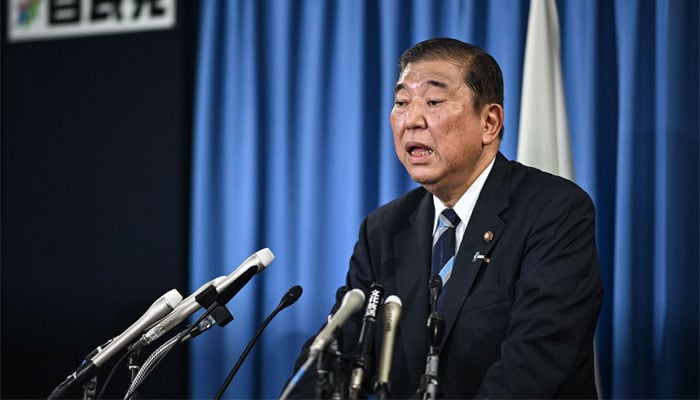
(440, 74)
(430, 83)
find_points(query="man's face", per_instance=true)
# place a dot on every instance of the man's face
(438, 136)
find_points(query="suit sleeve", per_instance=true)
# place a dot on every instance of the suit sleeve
(548, 346)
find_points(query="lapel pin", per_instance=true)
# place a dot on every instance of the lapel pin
(488, 236)
(481, 257)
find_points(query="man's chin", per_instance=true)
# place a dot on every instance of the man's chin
(426, 181)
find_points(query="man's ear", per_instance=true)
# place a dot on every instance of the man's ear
(492, 118)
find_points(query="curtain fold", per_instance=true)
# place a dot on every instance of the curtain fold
(292, 148)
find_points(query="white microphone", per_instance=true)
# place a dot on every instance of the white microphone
(161, 307)
(392, 315)
(189, 306)
(164, 305)
(352, 303)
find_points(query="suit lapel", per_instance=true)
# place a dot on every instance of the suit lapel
(485, 218)
(415, 243)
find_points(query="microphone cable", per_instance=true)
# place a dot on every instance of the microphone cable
(152, 361)
(216, 307)
(295, 379)
(288, 299)
(111, 374)
(157, 356)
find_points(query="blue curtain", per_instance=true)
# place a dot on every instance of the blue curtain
(292, 148)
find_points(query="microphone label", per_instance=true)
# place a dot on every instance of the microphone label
(373, 303)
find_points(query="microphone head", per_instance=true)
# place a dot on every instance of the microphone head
(340, 293)
(354, 300)
(172, 298)
(435, 282)
(291, 296)
(393, 299)
(265, 256)
(295, 292)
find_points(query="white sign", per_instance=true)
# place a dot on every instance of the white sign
(55, 19)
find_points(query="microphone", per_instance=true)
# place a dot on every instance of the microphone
(435, 286)
(352, 302)
(161, 307)
(329, 376)
(183, 310)
(376, 295)
(215, 302)
(429, 383)
(235, 281)
(289, 298)
(392, 315)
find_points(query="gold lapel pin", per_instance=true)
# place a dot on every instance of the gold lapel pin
(488, 236)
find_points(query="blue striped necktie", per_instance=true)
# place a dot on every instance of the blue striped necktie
(444, 248)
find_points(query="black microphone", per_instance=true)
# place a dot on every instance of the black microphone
(216, 312)
(161, 307)
(376, 295)
(429, 383)
(435, 286)
(392, 315)
(288, 299)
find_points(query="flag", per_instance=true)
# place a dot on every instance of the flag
(543, 141)
(544, 127)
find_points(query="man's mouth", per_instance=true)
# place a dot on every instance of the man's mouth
(419, 151)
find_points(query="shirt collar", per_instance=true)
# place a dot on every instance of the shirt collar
(465, 204)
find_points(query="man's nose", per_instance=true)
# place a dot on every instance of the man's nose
(415, 116)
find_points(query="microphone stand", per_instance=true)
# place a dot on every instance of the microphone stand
(328, 372)
(322, 376)
(134, 366)
(436, 326)
(429, 381)
(337, 375)
(90, 389)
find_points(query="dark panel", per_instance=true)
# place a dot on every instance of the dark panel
(95, 182)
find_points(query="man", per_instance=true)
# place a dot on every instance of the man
(522, 298)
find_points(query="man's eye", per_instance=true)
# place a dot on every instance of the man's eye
(399, 103)
(433, 102)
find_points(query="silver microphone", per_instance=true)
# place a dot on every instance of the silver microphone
(189, 306)
(352, 303)
(161, 307)
(392, 315)
(157, 310)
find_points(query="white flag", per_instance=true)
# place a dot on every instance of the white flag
(544, 128)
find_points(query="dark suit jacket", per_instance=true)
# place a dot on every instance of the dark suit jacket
(520, 326)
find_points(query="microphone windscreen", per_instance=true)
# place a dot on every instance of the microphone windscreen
(265, 255)
(292, 295)
(435, 282)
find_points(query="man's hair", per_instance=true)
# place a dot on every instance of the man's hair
(481, 72)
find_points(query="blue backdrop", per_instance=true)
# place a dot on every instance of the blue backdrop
(292, 148)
